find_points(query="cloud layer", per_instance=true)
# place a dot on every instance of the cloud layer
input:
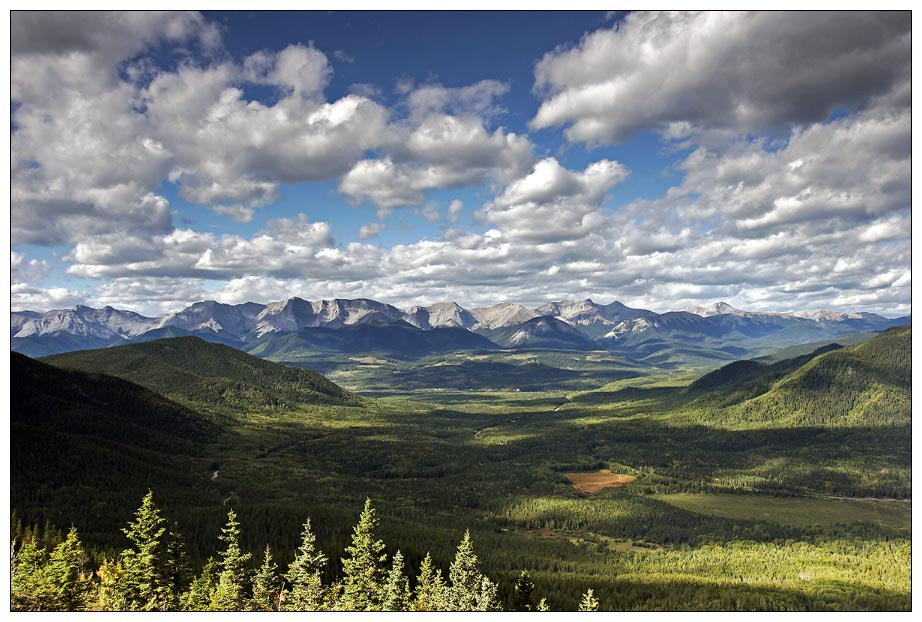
(740, 71)
(790, 135)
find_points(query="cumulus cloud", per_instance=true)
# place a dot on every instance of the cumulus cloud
(25, 296)
(740, 71)
(552, 203)
(478, 99)
(371, 230)
(442, 151)
(21, 269)
(454, 210)
(228, 149)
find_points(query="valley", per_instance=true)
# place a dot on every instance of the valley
(750, 487)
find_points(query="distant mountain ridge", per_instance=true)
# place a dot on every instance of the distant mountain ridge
(719, 331)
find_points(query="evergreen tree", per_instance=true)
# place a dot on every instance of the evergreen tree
(363, 570)
(230, 592)
(523, 593)
(63, 584)
(27, 576)
(465, 576)
(488, 597)
(267, 585)
(542, 605)
(109, 595)
(304, 575)
(144, 584)
(177, 566)
(589, 602)
(202, 590)
(396, 587)
(430, 588)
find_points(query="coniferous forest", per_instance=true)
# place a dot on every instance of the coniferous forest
(780, 485)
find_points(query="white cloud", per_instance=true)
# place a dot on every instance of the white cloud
(236, 212)
(371, 230)
(24, 296)
(443, 151)
(478, 99)
(454, 211)
(552, 203)
(735, 70)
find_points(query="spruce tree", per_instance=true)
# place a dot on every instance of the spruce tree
(27, 576)
(396, 587)
(109, 596)
(144, 584)
(363, 570)
(465, 576)
(267, 585)
(177, 566)
(202, 590)
(230, 592)
(304, 575)
(522, 594)
(67, 581)
(488, 597)
(589, 602)
(430, 592)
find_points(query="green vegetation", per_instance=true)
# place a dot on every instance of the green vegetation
(144, 577)
(206, 375)
(734, 507)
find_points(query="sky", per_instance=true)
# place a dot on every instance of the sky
(663, 160)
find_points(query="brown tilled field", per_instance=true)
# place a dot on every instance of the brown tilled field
(594, 482)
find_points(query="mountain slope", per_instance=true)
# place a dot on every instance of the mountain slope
(542, 332)
(72, 432)
(440, 314)
(396, 339)
(592, 319)
(193, 371)
(864, 385)
(168, 332)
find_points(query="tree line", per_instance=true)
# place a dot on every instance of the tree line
(51, 572)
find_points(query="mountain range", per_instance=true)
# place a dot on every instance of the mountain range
(715, 333)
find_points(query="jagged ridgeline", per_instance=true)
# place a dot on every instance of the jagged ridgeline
(191, 370)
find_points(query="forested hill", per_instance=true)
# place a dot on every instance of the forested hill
(194, 371)
(84, 443)
(867, 384)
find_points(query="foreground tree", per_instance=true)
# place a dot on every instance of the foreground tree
(522, 596)
(202, 590)
(230, 592)
(589, 602)
(267, 585)
(55, 582)
(396, 587)
(469, 591)
(145, 582)
(304, 575)
(431, 591)
(363, 570)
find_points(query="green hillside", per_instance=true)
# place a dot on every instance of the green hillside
(868, 384)
(87, 444)
(193, 371)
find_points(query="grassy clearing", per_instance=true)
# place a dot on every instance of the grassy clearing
(797, 511)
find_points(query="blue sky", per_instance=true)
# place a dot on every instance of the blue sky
(663, 160)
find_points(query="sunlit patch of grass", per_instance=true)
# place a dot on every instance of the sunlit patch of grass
(797, 511)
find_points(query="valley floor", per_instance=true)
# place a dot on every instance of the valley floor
(719, 514)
